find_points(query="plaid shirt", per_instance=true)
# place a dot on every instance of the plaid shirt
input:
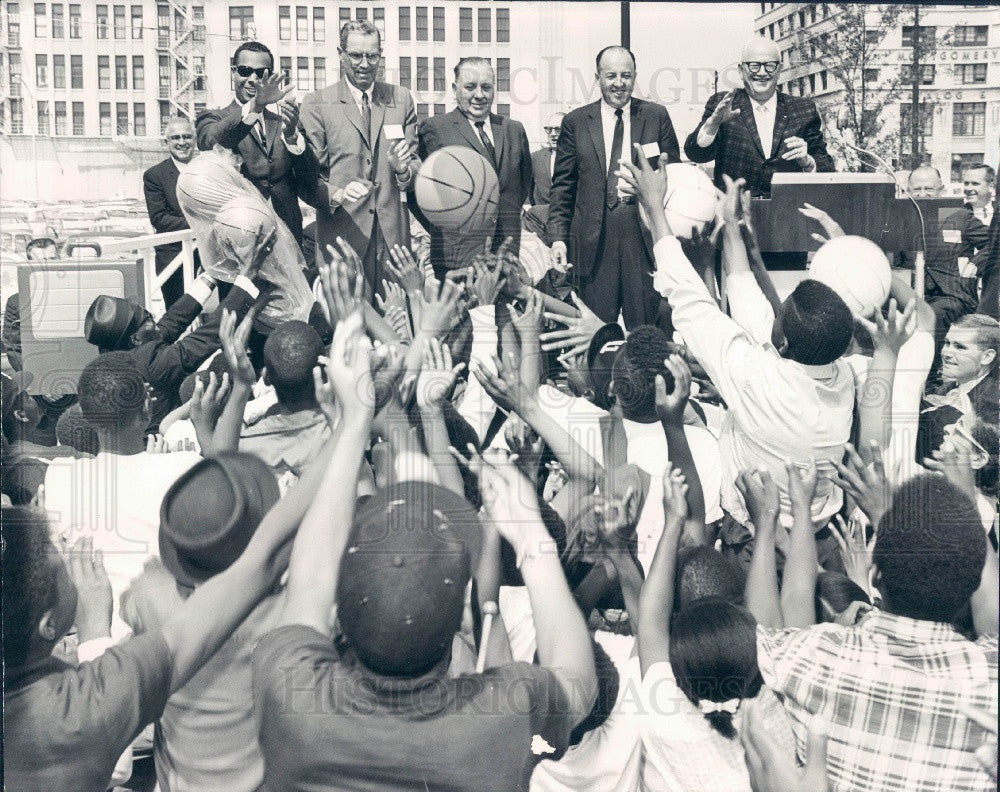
(889, 687)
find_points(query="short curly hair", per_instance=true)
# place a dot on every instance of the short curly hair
(111, 390)
(816, 323)
(635, 368)
(703, 572)
(930, 549)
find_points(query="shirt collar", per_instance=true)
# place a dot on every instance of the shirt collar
(609, 112)
(181, 166)
(968, 386)
(907, 630)
(770, 105)
(356, 92)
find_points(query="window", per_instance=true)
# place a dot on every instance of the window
(928, 34)
(906, 122)
(41, 71)
(971, 73)
(812, 84)
(284, 23)
(163, 24)
(927, 74)
(405, 77)
(971, 35)
(78, 126)
(105, 116)
(319, 25)
(121, 72)
(103, 71)
(139, 119)
(58, 31)
(198, 64)
(319, 73)
(76, 71)
(302, 74)
(13, 36)
(102, 22)
(198, 22)
(16, 117)
(440, 75)
(484, 24)
(14, 66)
(138, 73)
(301, 23)
(404, 23)
(58, 71)
(137, 22)
(121, 118)
(164, 116)
(503, 109)
(871, 75)
(422, 81)
(345, 16)
(361, 14)
(439, 109)
(60, 116)
(968, 119)
(74, 23)
(959, 163)
(823, 79)
(421, 111)
(378, 20)
(421, 23)
(503, 74)
(503, 25)
(239, 18)
(43, 118)
(164, 76)
(181, 73)
(465, 24)
(119, 21)
(286, 68)
(40, 25)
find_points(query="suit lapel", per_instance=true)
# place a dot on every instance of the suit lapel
(637, 124)
(780, 122)
(352, 112)
(499, 125)
(465, 130)
(742, 103)
(380, 100)
(272, 127)
(597, 135)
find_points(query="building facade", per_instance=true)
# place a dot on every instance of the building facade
(959, 78)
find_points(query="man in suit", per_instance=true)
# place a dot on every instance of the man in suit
(756, 131)
(590, 225)
(543, 161)
(273, 153)
(159, 185)
(504, 144)
(363, 134)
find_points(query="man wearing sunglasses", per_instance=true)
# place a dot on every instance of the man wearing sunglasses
(363, 132)
(273, 152)
(159, 185)
(756, 131)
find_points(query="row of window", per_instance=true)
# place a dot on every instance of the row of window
(965, 74)
(127, 20)
(440, 74)
(961, 36)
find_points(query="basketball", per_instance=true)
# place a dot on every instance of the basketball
(689, 204)
(457, 190)
(855, 268)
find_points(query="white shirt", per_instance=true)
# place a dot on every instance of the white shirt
(984, 213)
(608, 121)
(116, 500)
(357, 92)
(778, 409)
(181, 166)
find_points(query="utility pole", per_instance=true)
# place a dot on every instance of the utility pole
(626, 25)
(915, 119)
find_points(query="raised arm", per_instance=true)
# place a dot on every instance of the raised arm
(760, 493)
(798, 586)
(437, 376)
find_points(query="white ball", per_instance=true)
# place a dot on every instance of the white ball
(689, 204)
(242, 221)
(855, 268)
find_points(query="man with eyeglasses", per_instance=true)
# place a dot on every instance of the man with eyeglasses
(756, 131)
(543, 161)
(159, 185)
(267, 140)
(363, 133)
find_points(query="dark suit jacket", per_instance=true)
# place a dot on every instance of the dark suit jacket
(278, 175)
(988, 266)
(540, 170)
(930, 431)
(577, 197)
(737, 150)
(960, 235)
(449, 249)
(159, 185)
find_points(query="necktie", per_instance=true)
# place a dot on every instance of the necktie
(261, 133)
(366, 115)
(611, 195)
(486, 142)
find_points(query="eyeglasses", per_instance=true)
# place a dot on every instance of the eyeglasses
(367, 57)
(246, 71)
(180, 137)
(769, 67)
(552, 129)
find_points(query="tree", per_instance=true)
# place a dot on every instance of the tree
(850, 46)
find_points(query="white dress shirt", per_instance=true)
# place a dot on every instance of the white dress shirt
(608, 120)
(778, 409)
(984, 213)
(487, 128)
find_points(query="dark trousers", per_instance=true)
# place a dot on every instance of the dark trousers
(372, 261)
(620, 281)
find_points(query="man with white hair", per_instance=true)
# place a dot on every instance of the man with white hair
(543, 161)
(756, 131)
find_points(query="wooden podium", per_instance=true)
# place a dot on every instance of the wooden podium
(864, 204)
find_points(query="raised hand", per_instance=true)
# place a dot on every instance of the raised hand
(207, 403)
(399, 155)
(404, 268)
(731, 202)
(529, 322)
(558, 259)
(233, 339)
(829, 225)
(263, 245)
(575, 339)
(649, 186)
(437, 375)
(271, 90)
(394, 296)
(801, 485)
(505, 387)
(150, 599)
(796, 150)
(94, 601)
(855, 550)
(348, 368)
(484, 282)
(954, 460)
(440, 308)
(891, 332)
(670, 406)
(525, 444)
(722, 113)
(289, 110)
(342, 280)
(675, 505)
(868, 486)
(155, 444)
(760, 493)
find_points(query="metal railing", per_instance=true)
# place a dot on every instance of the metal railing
(144, 247)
